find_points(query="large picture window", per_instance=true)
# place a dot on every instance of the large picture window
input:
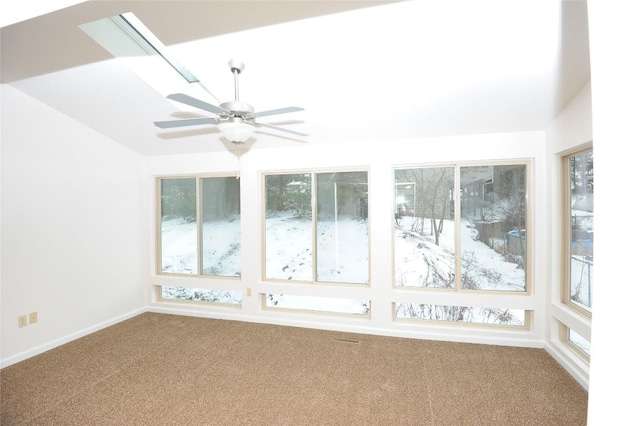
(316, 227)
(200, 226)
(479, 244)
(579, 224)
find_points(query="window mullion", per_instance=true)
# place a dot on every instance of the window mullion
(314, 228)
(456, 218)
(199, 257)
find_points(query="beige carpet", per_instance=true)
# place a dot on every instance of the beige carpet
(158, 369)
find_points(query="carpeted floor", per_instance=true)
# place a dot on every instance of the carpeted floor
(158, 369)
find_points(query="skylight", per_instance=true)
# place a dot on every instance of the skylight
(125, 35)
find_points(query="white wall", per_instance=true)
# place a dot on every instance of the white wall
(615, 79)
(73, 242)
(379, 157)
(571, 129)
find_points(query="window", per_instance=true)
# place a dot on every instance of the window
(316, 227)
(178, 227)
(493, 227)
(229, 297)
(462, 228)
(220, 201)
(288, 227)
(424, 227)
(579, 176)
(461, 314)
(200, 226)
(479, 245)
(316, 230)
(317, 304)
(199, 235)
(579, 343)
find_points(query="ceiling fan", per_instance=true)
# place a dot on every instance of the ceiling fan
(235, 119)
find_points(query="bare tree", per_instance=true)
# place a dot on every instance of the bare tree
(433, 198)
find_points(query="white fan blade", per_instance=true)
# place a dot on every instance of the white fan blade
(282, 129)
(190, 100)
(277, 111)
(185, 122)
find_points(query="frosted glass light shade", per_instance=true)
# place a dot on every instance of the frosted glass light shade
(236, 131)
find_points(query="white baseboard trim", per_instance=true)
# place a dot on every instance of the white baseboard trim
(440, 334)
(299, 322)
(571, 363)
(66, 339)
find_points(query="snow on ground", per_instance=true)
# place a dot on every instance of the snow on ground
(221, 247)
(422, 263)
(342, 257)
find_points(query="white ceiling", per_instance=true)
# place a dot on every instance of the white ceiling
(363, 71)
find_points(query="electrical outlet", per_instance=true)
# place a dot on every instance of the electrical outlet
(22, 321)
(33, 317)
(248, 291)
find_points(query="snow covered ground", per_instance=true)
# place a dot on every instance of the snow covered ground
(342, 257)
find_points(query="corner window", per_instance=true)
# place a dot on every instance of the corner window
(579, 181)
(579, 343)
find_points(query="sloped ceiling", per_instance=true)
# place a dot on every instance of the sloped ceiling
(363, 70)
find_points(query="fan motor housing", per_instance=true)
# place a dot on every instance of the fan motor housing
(238, 108)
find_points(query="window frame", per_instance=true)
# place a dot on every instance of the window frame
(529, 228)
(199, 231)
(320, 312)
(203, 303)
(577, 350)
(313, 172)
(566, 231)
(525, 327)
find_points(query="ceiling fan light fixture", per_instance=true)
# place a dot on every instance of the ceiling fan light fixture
(236, 131)
(236, 119)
